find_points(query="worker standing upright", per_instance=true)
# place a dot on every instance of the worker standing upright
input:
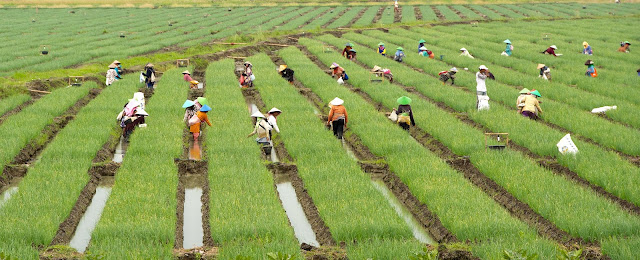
(149, 76)
(111, 74)
(591, 70)
(272, 118)
(381, 49)
(587, 48)
(405, 113)
(481, 87)
(338, 117)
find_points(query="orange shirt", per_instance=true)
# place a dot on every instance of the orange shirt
(195, 128)
(337, 112)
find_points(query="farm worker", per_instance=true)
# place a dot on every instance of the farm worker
(272, 118)
(262, 128)
(338, 72)
(551, 50)
(520, 100)
(189, 110)
(286, 73)
(194, 122)
(395, 6)
(624, 46)
(405, 113)
(111, 74)
(187, 78)
(531, 107)
(448, 75)
(587, 48)
(638, 72)
(481, 87)
(591, 70)
(399, 54)
(545, 72)
(248, 73)
(149, 75)
(347, 47)
(132, 121)
(464, 52)
(509, 49)
(381, 49)
(337, 117)
(351, 54)
(118, 69)
(421, 44)
(385, 72)
(200, 102)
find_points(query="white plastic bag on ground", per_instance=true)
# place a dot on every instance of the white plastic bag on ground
(393, 116)
(566, 145)
(483, 103)
(504, 54)
(340, 81)
(603, 109)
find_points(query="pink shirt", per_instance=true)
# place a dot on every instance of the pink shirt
(187, 77)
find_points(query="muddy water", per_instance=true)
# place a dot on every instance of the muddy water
(118, 155)
(301, 226)
(6, 195)
(349, 150)
(253, 108)
(274, 156)
(82, 237)
(192, 225)
(418, 232)
(195, 151)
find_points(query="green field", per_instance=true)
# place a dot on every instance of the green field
(381, 193)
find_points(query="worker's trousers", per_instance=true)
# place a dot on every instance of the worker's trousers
(338, 128)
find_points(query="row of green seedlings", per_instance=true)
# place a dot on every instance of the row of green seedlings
(10, 103)
(408, 13)
(605, 169)
(614, 67)
(463, 209)
(27, 129)
(303, 19)
(226, 27)
(508, 12)
(468, 13)
(581, 122)
(139, 219)
(346, 17)
(524, 11)
(387, 17)
(590, 126)
(552, 196)
(367, 17)
(449, 14)
(489, 13)
(372, 228)
(280, 20)
(325, 19)
(249, 224)
(49, 190)
(519, 72)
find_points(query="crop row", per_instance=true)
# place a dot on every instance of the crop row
(250, 223)
(325, 18)
(602, 168)
(345, 18)
(461, 207)
(336, 183)
(12, 102)
(552, 196)
(139, 218)
(470, 14)
(51, 187)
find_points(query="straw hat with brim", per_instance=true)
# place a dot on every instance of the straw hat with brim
(112, 66)
(275, 110)
(381, 44)
(257, 114)
(400, 48)
(141, 112)
(463, 49)
(540, 66)
(149, 65)
(116, 62)
(336, 102)
(203, 101)
(483, 67)
(585, 44)
(376, 68)
(588, 62)
(186, 72)
(188, 103)
(536, 93)
(205, 108)
(524, 91)
(454, 69)
(553, 47)
(334, 65)
(507, 41)
(422, 41)
(281, 68)
(404, 100)
(423, 48)
(248, 63)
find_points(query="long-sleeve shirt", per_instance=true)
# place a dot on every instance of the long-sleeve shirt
(187, 78)
(551, 51)
(382, 50)
(117, 69)
(587, 50)
(480, 82)
(346, 50)
(111, 76)
(419, 46)
(466, 54)
(195, 128)
(337, 72)
(287, 74)
(591, 71)
(406, 109)
(448, 75)
(531, 104)
(147, 74)
(624, 48)
(262, 128)
(338, 112)
(508, 49)
(274, 123)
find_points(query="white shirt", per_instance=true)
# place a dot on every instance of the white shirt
(480, 80)
(273, 122)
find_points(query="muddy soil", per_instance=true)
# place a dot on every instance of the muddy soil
(446, 253)
(196, 253)
(336, 17)
(438, 14)
(378, 15)
(397, 16)
(356, 18)
(477, 12)
(462, 16)
(416, 10)
(325, 253)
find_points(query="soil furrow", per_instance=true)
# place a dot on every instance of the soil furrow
(315, 18)
(397, 16)
(336, 17)
(514, 10)
(416, 10)
(378, 15)
(494, 10)
(356, 18)
(462, 16)
(438, 13)
(516, 208)
(477, 12)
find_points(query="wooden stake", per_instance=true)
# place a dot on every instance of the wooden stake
(229, 43)
(39, 91)
(275, 44)
(233, 57)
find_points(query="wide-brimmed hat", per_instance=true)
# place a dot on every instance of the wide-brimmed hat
(336, 102)
(257, 114)
(116, 62)
(463, 49)
(282, 67)
(588, 62)
(524, 91)
(202, 100)
(348, 44)
(540, 66)
(138, 96)
(376, 68)
(585, 43)
(381, 43)
(422, 41)
(141, 112)
(188, 103)
(149, 65)
(454, 69)
(404, 100)
(205, 108)
(274, 110)
(353, 50)
(536, 93)
(248, 63)
(400, 48)
(507, 41)
(423, 48)
(627, 42)
(334, 65)
(112, 66)
(553, 47)
(186, 72)
(483, 67)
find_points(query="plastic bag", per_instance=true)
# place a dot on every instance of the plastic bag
(340, 81)
(194, 120)
(566, 145)
(141, 77)
(252, 77)
(394, 116)
(504, 54)
(483, 103)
